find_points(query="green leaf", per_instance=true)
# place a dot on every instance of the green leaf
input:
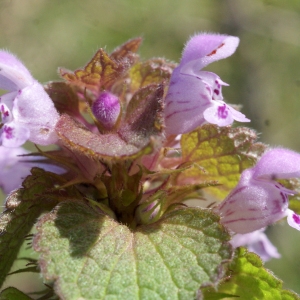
(294, 204)
(289, 295)
(218, 296)
(294, 200)
(22, 208)
(219, 153)
(90, 256)
(139, 131)
(249, 280)
(12, 293)
(149, 72)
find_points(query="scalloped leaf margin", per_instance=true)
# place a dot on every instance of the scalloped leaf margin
(90, 256)
(249, 280)
(219, 154)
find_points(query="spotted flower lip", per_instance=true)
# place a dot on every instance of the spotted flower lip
(27, 112)
(195, 97)
(259, 200)
(293, 219)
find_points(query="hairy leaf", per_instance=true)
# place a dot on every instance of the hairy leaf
(143, 120)
(90, 256)
(22, 208)
(64, 97)
(249, 280)
(152, 71)
(103, 70)
(127, 52)
(12, 293)
(219, 153)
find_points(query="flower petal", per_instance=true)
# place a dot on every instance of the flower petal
(6, 114)
(238, 116)
(35, 110)
(214, 82)
(218, 114)
(278, 163)
(186, 100)
(14, 135)
(12, 172)
(256, 242)
(253, 204)
(13, 74)
(264, 248)
(293, 219)
(15, 167)
(203, 49)
(8, 101)
(222, 114)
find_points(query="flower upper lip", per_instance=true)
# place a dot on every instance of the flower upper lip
(27, 111)
(258, 200)
(191, 98)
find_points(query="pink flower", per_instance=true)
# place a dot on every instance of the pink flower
(13, 171)
(195, 97)
(256, 242)
(27, 111)
(293, 219)
(15, 167)
(259, 200)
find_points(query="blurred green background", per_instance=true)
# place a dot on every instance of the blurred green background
(264, 73)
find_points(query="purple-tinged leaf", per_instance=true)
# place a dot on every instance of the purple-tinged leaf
(138, 132)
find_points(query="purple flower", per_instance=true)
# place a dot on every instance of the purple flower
(293, 219)
(107, 109)
(256, 242)
(13, 170)
(259, 200)
(195, 97)
(27, 111)
(15, 167)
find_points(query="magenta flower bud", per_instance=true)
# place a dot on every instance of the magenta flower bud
(107, 109)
